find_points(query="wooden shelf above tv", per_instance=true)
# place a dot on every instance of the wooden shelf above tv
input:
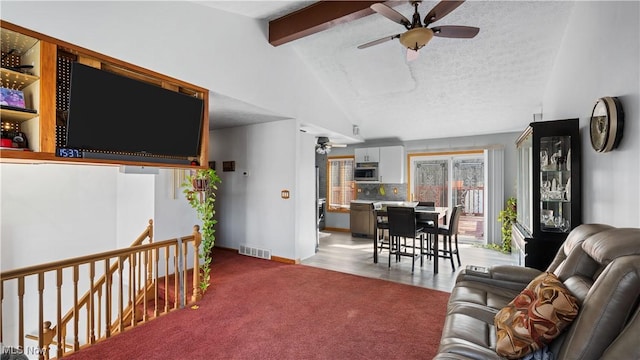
(21, 46)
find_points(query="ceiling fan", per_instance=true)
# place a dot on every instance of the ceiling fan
(417, 34)
(323, 146)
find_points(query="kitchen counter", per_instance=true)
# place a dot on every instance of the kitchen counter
(378, 204)
(361, 219)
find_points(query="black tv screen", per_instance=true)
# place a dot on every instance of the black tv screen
(113, 113)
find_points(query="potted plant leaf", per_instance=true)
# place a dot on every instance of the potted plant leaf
(199, 189)
(507, 217)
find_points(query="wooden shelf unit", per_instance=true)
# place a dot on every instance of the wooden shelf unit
(42, 89)
(16, 116)
(16, 80)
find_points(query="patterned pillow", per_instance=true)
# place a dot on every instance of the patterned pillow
(535, 317)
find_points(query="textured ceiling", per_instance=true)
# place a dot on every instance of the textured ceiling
(492, 83)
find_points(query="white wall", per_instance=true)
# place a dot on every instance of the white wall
(53, 212)
(134, 206)
(249, 209)
(600, 56)
(305, 197)
(173, 216)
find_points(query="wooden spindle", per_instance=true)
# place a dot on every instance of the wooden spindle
(60, 348)
(99, 326)
(150, 234)
(176, 275)
(91, 306)
(185, 285)
(166, 280)
(139, 269)
(132, 295)
(107, 299)
(41, 343)
(63, 333)
(21, 312)
(87, 327)
(145, 288)
(156, 259)
(120, 296)
(197, 240)
(76, 312)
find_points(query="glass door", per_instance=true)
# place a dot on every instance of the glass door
(449, 180)
(468, 185)
(431, 181)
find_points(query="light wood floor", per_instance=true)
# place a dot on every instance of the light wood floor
(341, 252)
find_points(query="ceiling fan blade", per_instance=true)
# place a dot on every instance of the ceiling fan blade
(455, 31)
(379, 41)
(390, 14)
(441, 10)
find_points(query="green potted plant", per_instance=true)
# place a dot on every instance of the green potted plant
(507, 217)
(199, 189)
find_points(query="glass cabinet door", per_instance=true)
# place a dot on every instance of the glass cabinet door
(555, 184)
(524, 178)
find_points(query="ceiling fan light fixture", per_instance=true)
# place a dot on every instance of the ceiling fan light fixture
(323, 150)
(416, 38)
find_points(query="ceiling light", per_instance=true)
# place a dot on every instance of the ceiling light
(416, 38)
(323, 149)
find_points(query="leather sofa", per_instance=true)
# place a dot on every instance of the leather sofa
(598, 264)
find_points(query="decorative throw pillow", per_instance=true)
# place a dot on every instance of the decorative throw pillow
(535, 317)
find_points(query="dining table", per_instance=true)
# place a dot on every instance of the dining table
(426, 213)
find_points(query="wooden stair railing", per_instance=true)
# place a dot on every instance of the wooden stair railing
(138, 266)
(97, 286)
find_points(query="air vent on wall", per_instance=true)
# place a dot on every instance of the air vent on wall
(255, 252)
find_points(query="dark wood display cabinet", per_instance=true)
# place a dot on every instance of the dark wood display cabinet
(549, 190)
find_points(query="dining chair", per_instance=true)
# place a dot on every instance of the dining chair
(402, 225)
(426, 222)
(382, 224)
(449, 234)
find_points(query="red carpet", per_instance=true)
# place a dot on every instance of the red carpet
(258, 309)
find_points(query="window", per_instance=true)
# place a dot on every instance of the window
(340, 185)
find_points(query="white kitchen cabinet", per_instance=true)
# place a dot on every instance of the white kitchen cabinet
(365, 155)
(391, 164)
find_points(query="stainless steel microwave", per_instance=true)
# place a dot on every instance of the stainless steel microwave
(366, 172)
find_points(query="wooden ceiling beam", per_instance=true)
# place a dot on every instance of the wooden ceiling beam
(317, 17)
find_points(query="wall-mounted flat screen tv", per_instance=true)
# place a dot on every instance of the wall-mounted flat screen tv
(113, 113)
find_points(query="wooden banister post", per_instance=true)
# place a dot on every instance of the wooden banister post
(149, 265)
(47, 337)
(197, 239)
(150, 230)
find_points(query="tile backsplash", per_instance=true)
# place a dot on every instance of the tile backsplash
(386, 192)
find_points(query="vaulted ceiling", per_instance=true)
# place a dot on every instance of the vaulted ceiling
(492, 83)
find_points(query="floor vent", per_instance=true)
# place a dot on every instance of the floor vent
(255, 252)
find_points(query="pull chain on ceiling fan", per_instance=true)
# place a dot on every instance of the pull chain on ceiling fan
(417, 34)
